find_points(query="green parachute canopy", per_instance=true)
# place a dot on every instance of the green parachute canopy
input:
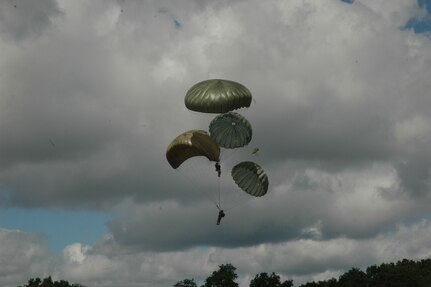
(189, 144)
(230, 130)
(217, 96)
(251, 178)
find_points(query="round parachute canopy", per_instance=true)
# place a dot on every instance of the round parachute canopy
(230, 130)
(217, 96)
(251, 178)
(189, 144)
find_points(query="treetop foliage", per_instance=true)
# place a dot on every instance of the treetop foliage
(273, 280)
(186, 283)
(225, 276)
(404, 273)
(47, 282)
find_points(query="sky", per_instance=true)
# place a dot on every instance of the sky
(92, 93)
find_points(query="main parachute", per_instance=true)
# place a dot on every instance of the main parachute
(217, 96)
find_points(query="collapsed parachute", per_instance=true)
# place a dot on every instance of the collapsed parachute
(217, 96)
(189, 144)
(251, 178)
(230, 130)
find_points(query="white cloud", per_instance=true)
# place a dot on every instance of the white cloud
(22, 255)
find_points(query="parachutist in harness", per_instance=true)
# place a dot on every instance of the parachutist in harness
(218, 168)
(220, 216)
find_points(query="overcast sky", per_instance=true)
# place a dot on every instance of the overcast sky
(92, 93)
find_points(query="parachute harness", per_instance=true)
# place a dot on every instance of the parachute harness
(218, 168)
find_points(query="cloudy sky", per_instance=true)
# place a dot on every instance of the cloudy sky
(92, 92)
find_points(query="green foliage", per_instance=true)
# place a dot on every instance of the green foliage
(47, 282)
(353, 278)
(186, 283)
(224, 277)
(401, 274)
(263, 280)
(329, 283)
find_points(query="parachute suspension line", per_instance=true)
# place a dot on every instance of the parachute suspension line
(227, 156)
(196, 189)
(218, 170)
(239, 203)
(219, 192)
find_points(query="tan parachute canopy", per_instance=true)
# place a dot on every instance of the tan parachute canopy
(189, 144)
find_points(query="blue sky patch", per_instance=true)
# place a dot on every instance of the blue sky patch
(426, 4)
(61, 228)
(421, 25)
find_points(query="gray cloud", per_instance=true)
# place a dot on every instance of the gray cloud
(20, 20)
(308, 203)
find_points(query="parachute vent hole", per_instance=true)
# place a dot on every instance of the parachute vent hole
(234, 123)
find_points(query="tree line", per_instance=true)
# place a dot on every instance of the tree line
(404, 273)
(47, 282)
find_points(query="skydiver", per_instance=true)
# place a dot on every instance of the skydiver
(218, 168)
(220, 216)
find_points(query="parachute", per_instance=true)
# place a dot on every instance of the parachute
(189, 144)
(217, 96)
(230, 130)
(251, 178)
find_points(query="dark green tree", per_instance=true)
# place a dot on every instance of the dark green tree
(327, 283)
(263, 280)
(286, 283)
(33, 282)
(225, 276)
(186, 283)
(47, 282)
(353, 278)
